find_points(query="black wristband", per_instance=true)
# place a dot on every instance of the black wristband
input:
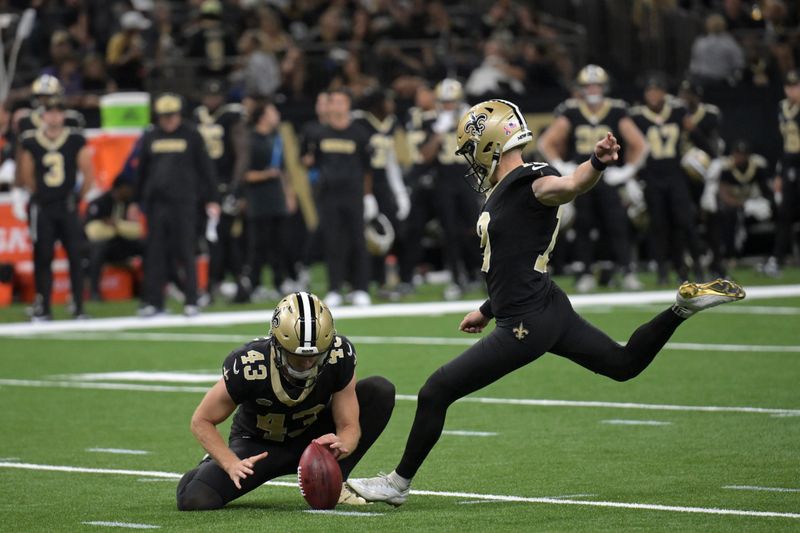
(486, 309)
(597, 164)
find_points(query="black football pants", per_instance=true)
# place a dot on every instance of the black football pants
(208, 486)
(49, 223)
(171, 235)
(787, 212)
(557, 329)
(601, 209)
(341, 220)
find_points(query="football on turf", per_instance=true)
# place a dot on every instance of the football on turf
(319, 477)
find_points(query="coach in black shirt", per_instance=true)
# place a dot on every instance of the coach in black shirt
(175, 174)
(342, 156)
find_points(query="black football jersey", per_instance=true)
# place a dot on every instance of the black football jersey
(418, 124)
(33, 120)
(740, 182)
(589, 127)
(381, 140)
(517, 235)
(217, 131)
(270, 408)
(663, 133)
(343, 158)
(55, 163)
(707, 120)
(789, 118)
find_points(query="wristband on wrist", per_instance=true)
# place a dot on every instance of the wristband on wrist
(486, 309)
(597, 164)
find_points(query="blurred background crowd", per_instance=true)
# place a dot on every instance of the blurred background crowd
(250, 68)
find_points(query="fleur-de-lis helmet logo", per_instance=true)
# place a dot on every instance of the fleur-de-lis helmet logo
(476, 124)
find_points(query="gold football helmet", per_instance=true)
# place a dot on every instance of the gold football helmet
(301, 326)
(485, 132)
(592, 75)
(46, 85)
(449, 90)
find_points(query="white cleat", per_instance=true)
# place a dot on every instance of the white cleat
(694, 297)
(348, 497)
(361, 298)
(379, 489)
(631, 283)
(586, 283)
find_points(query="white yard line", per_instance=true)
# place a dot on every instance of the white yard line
(619, 422)
(460, 433)
(420, 341)
(764, 489)
(446, 494)
(343, 313)
(119, 451)
(121, 524)
(413, 398)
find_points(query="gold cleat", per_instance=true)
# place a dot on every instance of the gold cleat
(348, 497)
(694, 297)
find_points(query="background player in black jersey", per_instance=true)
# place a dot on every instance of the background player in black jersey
(568, 141)
(50, 158)
(222, 127)
(787, 181)
(518, 228)
(673, 218)
(295, 386)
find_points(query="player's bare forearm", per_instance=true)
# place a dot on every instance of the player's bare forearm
(212, 442)
(87, 169)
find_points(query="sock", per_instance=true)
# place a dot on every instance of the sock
(399, 481)
(681, 311)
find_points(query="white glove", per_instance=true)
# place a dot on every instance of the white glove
(211, 228)
(7, 171)
(445, 122)
(714, 170)
(635, 194)
(565, 168)
(618, 175)
(370, 207)
(758, 208)
(403, 206)
(19, 201)
(708, 200)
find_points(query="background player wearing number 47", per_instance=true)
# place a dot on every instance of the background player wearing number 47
(518, 226)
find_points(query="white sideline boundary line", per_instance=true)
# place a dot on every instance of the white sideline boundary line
(445, 494)
(343, 313)
(413, 398)
(420, 341)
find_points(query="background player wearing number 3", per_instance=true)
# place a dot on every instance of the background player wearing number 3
(295, 386)
(518, 227)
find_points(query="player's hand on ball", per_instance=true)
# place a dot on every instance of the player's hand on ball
(474, 322)
(607, 150)
(243, 468)
(333, 443)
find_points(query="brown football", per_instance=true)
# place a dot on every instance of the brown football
(319, 477)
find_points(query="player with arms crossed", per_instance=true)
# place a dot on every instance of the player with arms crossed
(295, 386)
(518, 227)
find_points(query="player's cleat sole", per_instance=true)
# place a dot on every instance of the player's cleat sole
(694, 297)
(379, 489)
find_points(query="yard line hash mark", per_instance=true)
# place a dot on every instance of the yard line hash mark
(120, 451)
(765, 489)
(121, 524)
(620, 422)
(444, 494)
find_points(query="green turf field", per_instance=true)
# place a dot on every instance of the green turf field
(664, 461)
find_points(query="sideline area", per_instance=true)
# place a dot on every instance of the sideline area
(381, 310)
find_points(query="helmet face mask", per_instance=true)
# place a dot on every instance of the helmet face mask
(301, 327)
(484, 133)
